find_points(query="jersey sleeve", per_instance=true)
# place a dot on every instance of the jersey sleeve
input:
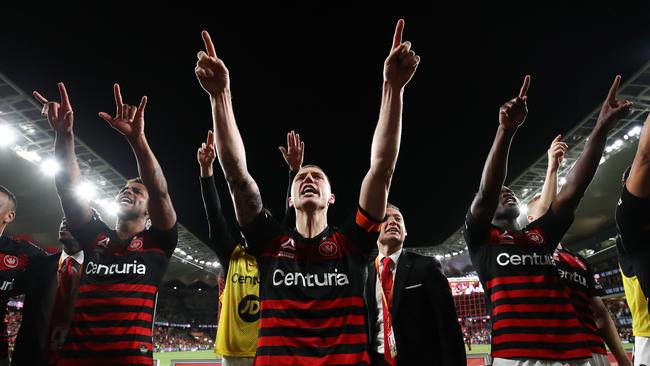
(363, 230)
(88, 233)
(551, 227)
(260, 232)
(633, 221)
(474, 232)
(32, 250)
(594, 287)
(166, 239)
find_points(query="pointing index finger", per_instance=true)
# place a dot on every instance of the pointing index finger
(397, 37)
(524, 87)
(611, 96)
(209, 46)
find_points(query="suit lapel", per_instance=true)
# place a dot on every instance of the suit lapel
(403, 267)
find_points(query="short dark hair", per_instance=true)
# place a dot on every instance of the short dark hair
(10, 195)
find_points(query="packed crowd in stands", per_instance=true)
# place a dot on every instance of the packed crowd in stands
(169, 339)
(13, 317)
(618, 309)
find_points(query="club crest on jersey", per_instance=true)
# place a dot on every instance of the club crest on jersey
(135, 245)
(328, 248)
(102, 240)
(10, 261)
(534, 237)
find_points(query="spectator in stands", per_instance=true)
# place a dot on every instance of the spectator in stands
(410, 293)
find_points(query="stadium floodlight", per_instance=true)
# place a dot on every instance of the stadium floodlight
(562, 181)
(7, 136)
(86, 190)
(523, 209)
(202, 262)
(189, 257)
(635, 131)
(50, 167)
(618, 143)
(31, 156)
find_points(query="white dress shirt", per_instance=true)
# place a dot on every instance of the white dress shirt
(379, 336)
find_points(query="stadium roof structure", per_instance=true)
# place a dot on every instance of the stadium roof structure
(594, 227)
(27, 165)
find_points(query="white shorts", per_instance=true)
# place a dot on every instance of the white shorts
(531, 362)
(599, 359)
(237, 361)
(641, 351)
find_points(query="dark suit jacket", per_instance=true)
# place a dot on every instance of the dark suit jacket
(40, 293)
(424, 317)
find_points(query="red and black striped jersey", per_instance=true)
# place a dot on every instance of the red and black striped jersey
(579, 277)
(311, 292)
(115, 304)
(530, 307)
(14, 256)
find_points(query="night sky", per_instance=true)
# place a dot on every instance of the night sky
(318, 70)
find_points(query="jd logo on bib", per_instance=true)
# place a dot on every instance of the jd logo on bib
(249, 308)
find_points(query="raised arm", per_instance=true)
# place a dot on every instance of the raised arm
(638, 183)
(129, 121)
(215, 80)
(555, 156)
(511, 115)
(61, 118)
(220, 240)
(294, 155)
(607, 330)
(399, 67)
(583, 171)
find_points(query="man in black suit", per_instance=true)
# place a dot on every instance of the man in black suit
(422, 326)
(51, 284)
